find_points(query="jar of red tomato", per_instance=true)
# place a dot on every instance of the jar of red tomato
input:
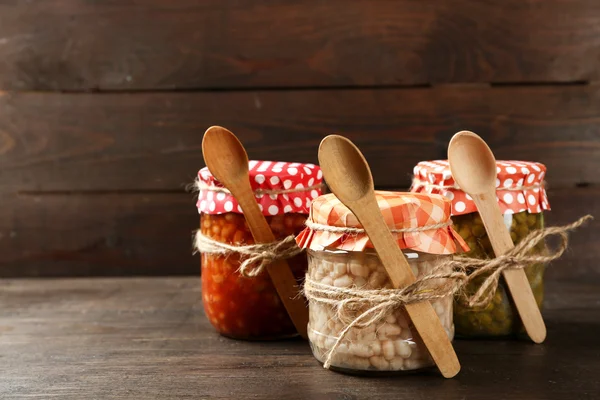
(248, 307)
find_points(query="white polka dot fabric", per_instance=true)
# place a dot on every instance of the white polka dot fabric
(519, 186)
(302, 180)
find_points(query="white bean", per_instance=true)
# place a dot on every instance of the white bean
(369, 337)
(370, 329)
(397, 364)
(379, 363)
(359, 270)
(352, 335)
(375, 348)
(339, 269)
(387, 347)
(327, 266)
(344, 281)
(343, 348)
(386, 331)
(359, 363)
(319, 274)
(393, 330)
(360, 349)
(327, 281)
(402, 348)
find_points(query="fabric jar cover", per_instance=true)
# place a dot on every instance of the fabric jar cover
(519, 186)
(400, 211)
(279, 188)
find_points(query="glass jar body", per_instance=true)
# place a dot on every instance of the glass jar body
(391, 344)
(246, 307)
(499, 318)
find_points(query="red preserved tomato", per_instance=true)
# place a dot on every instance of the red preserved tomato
(240, 307)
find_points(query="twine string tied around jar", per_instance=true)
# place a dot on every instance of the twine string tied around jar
(255, 257)
(354, 231)
(199, 186)
(417, 184)
(518, 257)
(374, 305)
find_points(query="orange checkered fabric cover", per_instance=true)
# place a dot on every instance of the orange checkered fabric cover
(422, 223)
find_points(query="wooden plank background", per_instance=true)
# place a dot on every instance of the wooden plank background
(103, 106)
(153, 44)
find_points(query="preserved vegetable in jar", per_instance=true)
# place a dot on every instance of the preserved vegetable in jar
(522, 200)
(347, 260)
(248, 307)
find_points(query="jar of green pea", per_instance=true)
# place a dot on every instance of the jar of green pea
(522, 200)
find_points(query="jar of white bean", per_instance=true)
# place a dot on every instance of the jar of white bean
(392, 344)
(343, 262)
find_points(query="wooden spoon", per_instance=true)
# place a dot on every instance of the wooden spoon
(349, 178)
(473, 167)
(227, 160)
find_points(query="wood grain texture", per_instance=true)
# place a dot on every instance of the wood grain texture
(77, 142)
(148, 338)
(98, 234)
(83, 45)
(580, 262)
(150, 234)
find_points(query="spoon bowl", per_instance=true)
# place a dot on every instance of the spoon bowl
(351, 179)
(466, 150)
(223, 151)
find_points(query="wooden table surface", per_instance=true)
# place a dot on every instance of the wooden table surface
(148, 338)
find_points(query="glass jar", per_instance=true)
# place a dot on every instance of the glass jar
(243, 307)
(522, 199)
(246, 307)
(347, 260)
(391, 344)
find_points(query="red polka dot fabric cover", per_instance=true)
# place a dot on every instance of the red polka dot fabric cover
(519, 186)
(300, 183)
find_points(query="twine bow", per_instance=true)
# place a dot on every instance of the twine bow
(517, 258)
(374, 305)
(254, 258)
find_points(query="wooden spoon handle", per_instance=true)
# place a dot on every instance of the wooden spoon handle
(423, 316)
(279, 271)
(516, 279)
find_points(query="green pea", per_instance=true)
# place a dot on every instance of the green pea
(478, 231)
(522, 231)
(520, 217)
(464, 233)
(498, 318)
